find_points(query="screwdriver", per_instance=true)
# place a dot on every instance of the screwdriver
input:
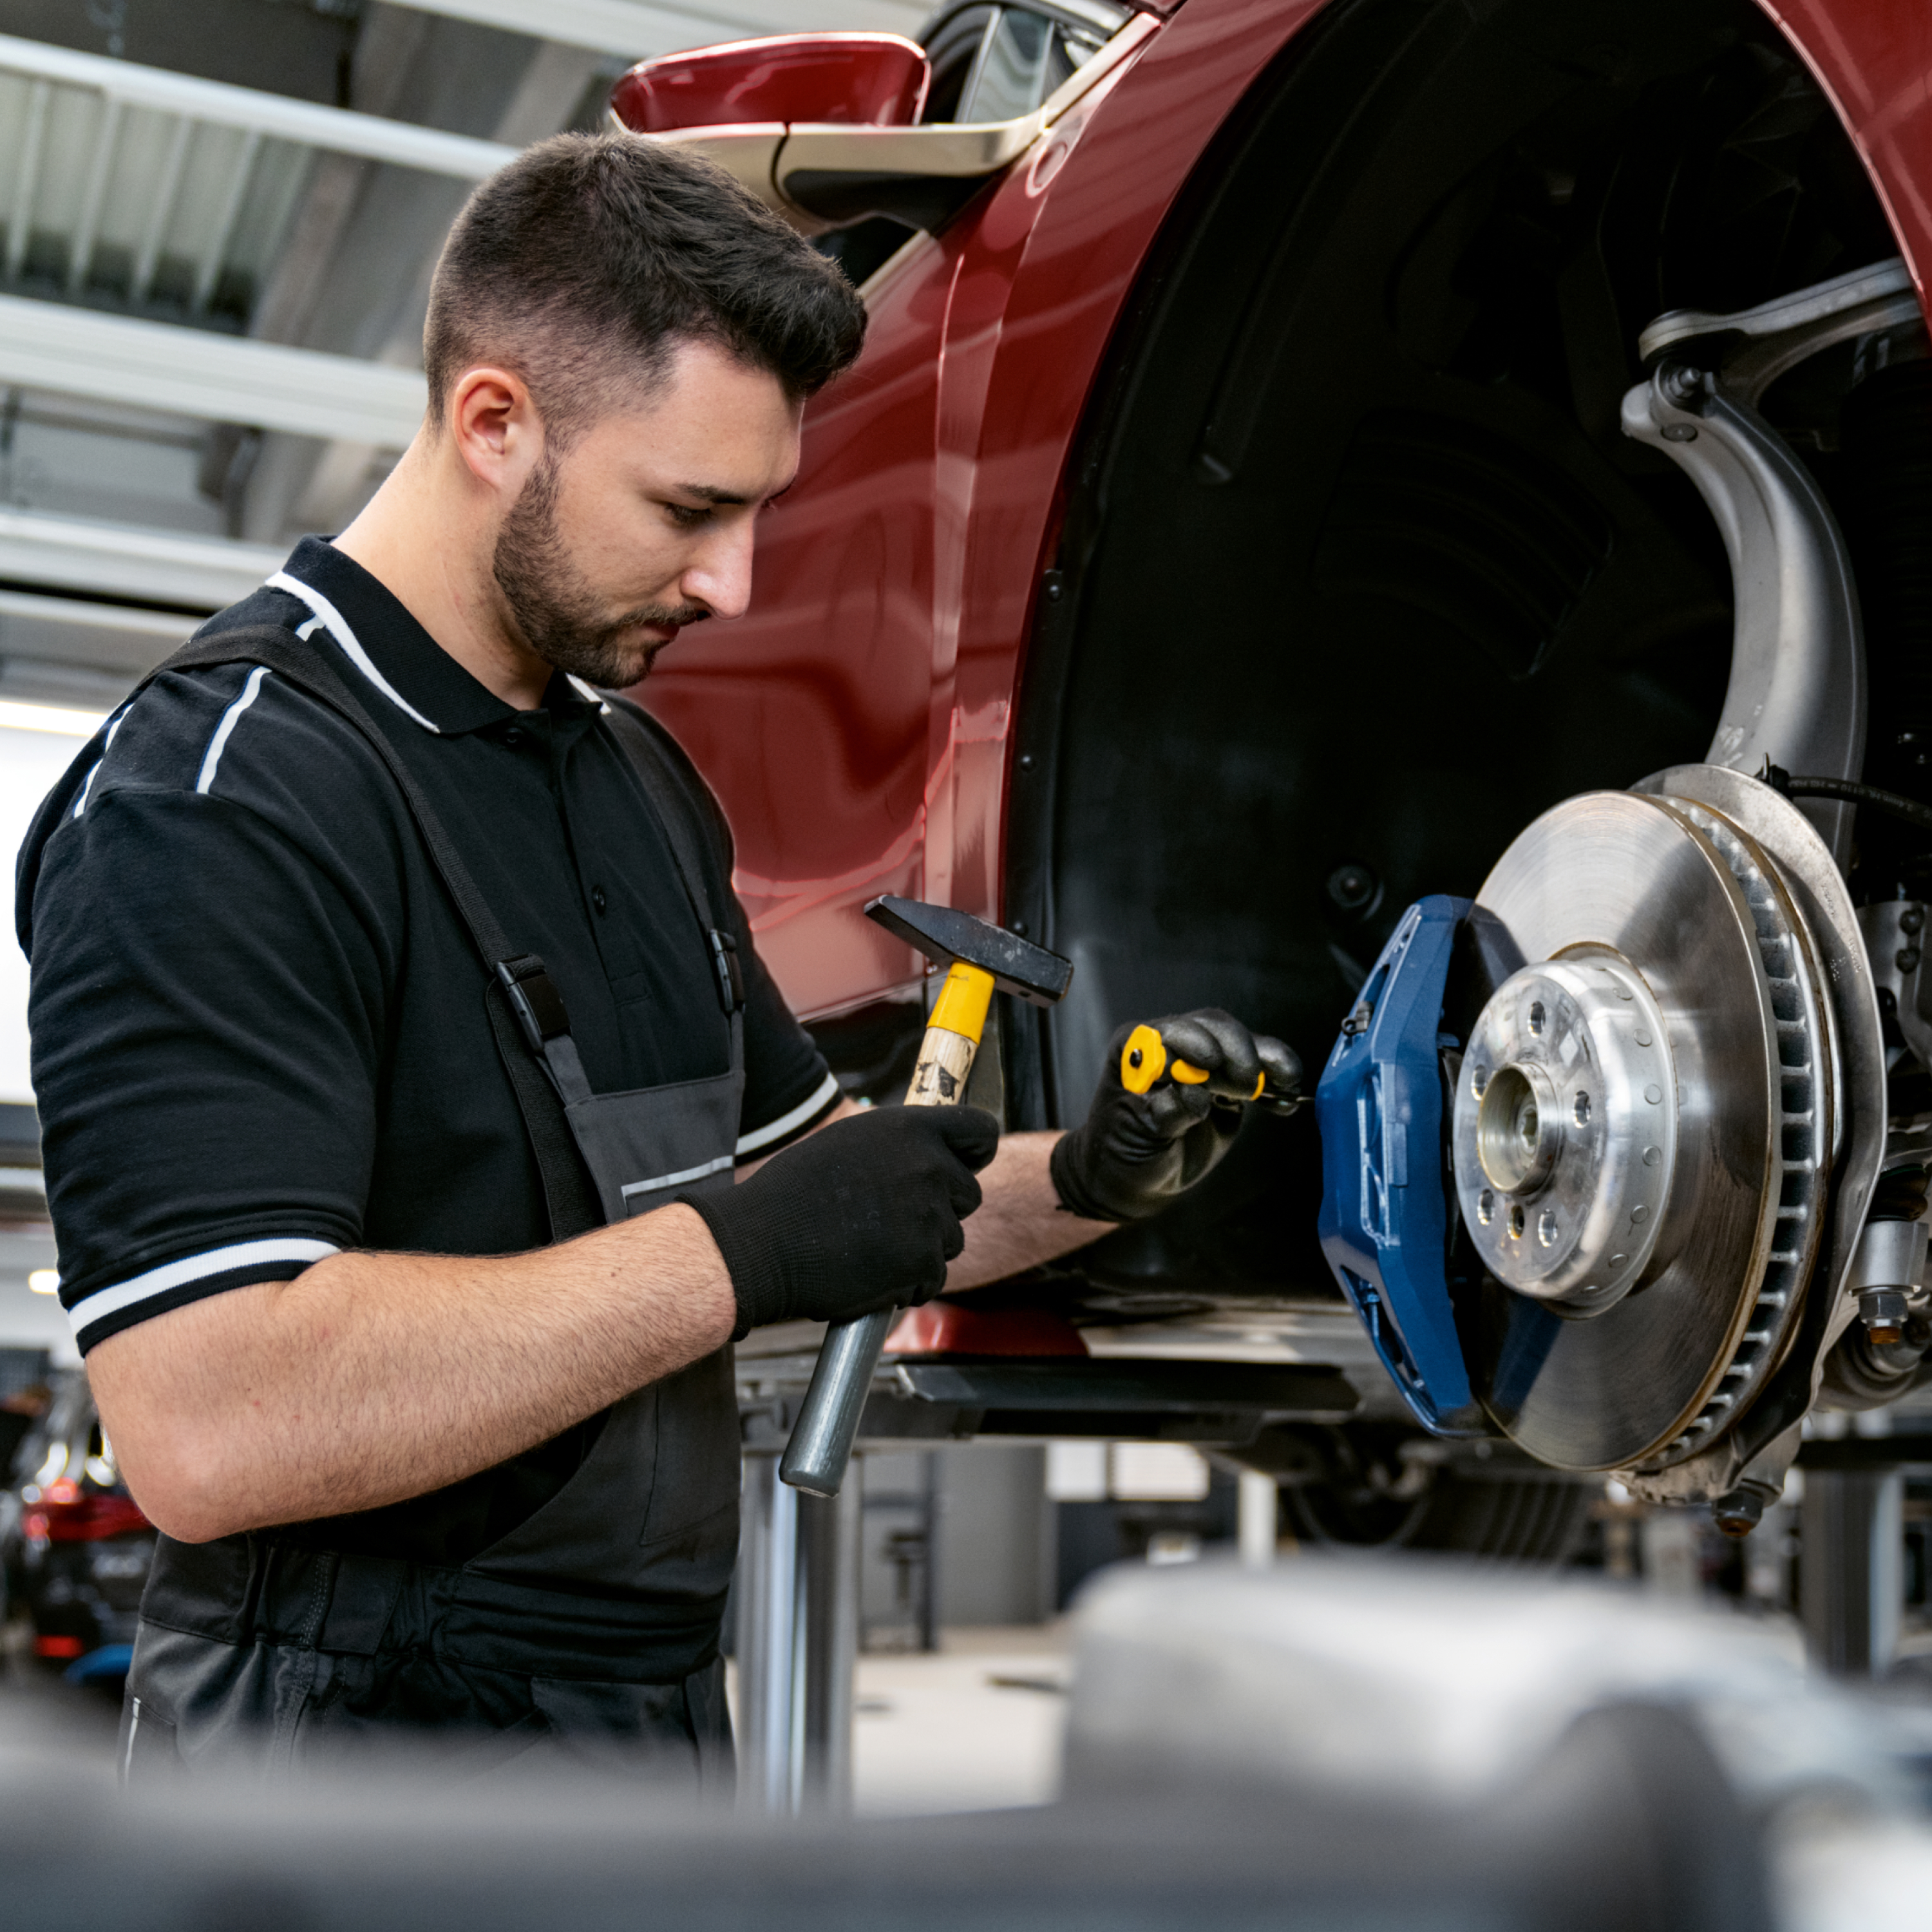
(1145, 1058)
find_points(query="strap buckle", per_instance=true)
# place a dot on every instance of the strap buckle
(730, 975)
(534, 999)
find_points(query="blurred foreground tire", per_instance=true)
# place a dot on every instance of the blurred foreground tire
(1516, 1518)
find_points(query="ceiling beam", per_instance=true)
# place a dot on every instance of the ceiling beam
(369, 135)
(111, 561)
(634, 29)
(193, 372)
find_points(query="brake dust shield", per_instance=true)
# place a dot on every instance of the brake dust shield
(1643, 1118)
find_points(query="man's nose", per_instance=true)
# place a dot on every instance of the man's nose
(720, 576)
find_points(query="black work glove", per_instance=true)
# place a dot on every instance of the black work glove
(1136, 1153)
(863, 1215)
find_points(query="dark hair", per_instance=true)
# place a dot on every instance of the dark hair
(590, 254)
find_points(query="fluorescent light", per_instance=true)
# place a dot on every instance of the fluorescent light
(50, 718)
(44, 1281)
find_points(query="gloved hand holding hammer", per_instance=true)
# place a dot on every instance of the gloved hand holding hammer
(860, 1218)
(864, 1218)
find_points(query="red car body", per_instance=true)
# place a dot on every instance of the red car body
(858, 722)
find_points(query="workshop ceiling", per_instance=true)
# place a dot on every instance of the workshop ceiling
(216, 224)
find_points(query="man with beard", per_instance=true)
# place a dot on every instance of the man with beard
(398, 1038)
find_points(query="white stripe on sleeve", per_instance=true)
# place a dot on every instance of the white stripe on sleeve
(172, 1275)
(106, 746)
(821, 1096)
(225, 730)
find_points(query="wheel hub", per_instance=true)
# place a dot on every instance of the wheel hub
(1565, 1130)
(1639, 1123)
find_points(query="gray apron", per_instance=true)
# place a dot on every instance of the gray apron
(588, 1631)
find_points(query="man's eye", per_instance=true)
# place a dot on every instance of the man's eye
(686, 517)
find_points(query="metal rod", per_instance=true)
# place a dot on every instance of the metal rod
(828, 1422)
(33, 143)
(148, 257)
(768, 1639)
(928, 1593)
(828, 1560)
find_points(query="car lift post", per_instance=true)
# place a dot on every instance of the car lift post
(1852, 1582)
(797, 1638)
(1852, 1537)
(1257, 1519)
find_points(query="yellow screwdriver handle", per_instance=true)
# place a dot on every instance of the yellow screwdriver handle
(1144, 1059)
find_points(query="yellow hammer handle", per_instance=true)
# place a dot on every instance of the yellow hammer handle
(816, 1457)
(952, 1037)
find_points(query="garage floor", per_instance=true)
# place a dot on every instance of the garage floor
(973, 1726)
(976, 1726)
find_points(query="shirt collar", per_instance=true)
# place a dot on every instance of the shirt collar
(377, 633)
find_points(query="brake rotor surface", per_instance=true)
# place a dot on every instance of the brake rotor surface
(1646, 1253)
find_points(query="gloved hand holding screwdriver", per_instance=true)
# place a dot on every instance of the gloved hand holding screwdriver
(867, 1213)
(1169, 1106)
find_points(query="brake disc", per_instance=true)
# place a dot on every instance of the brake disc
(1642, 1123)
(1669, 1119)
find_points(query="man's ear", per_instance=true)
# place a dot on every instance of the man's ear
(495, 426)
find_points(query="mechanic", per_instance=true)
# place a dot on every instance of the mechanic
(385, 972)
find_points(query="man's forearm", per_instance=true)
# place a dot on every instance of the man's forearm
(1021, 1223)
(372, 1377)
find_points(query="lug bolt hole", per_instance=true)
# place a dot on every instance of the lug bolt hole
(1538, 1017)
(1546, 1229)
(1486, 1206)
(1579, 1112)
(1515, 1224)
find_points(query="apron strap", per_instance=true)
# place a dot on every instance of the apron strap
(513, 995)
(534, 999)
(653, 754)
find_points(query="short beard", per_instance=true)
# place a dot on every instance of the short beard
(556, 610)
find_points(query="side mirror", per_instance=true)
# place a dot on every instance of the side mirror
(841, 80)
(824, 128)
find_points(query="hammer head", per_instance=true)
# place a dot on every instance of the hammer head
(944, 934)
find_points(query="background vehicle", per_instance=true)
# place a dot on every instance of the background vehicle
(75, 1548)
(1232, 534)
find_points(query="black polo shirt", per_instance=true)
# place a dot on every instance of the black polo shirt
(258, 1030)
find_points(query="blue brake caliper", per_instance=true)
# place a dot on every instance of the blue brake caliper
(1385, 1204)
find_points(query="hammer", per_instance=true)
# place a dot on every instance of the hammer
(979, 959)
